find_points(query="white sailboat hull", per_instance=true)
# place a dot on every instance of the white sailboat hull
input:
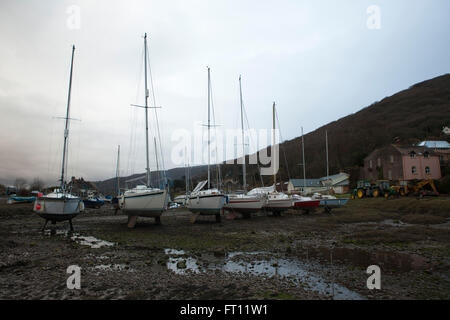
(144, 204)
(244, 204)
(278, 204)
(206, 204)
(58, 209)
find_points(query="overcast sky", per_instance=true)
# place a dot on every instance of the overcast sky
(319, 60)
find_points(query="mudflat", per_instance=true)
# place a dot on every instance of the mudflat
(292, 256)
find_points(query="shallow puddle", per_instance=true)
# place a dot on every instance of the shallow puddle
(395, 223)
(254, 263)
(174, 252)
(90, 241)
(50, 232)
(112, 267)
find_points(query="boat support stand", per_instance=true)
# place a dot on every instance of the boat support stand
(53, 231)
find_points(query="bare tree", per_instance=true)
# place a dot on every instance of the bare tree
(37, 184)
(20, 183)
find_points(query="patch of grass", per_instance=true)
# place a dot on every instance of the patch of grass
(355, 216)
(439, 206)
(346, 195)
(398, 237)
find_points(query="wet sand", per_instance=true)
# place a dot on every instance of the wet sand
(292, 256)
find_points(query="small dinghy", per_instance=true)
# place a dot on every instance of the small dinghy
(329, 202)
(93, 202)
(14, 200)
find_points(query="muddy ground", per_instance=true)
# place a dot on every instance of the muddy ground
(295, 256)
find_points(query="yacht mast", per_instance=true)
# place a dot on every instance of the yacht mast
(209, 125)
(117, 170)
(66, 129)
(326, 141)
(244, 174)
(146, 111)
(304, 170)
(273, 148)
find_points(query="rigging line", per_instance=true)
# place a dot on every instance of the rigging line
(281, 143)
(156, 116)
(152, 127)
(251, 141)
(131, 151)
(131, 161)
(77, 162)
(219, 176)
(68, 154)
(49, 160)
(75, 157)
(57, 152)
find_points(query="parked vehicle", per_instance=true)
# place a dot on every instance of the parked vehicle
(416, 188)
(383, 188)
(375, 189)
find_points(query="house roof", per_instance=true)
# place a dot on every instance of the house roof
(336, 179)
(339, 176)
(406, 150)
(309, 182)
(435, 144)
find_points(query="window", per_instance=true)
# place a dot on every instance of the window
(379, 162)
(412, 154)
(370, 164)
(392, 159)
(390, 174)
(426, 154)
(414, 170)
(427, 170)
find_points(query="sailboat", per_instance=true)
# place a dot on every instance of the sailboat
(301, 202)
(60, 205)
(211, 200)
(276, 201)
(144, 200)
(328, 201)
(244, 203)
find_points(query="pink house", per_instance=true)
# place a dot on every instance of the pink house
(402, 164)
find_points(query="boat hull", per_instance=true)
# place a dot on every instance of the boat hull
(58, 209)
(93, 203)
(207, 204)
(333, 203)
(14, 200)
(243, 205)
(308, 204)
(146, 204)
(278, 204)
